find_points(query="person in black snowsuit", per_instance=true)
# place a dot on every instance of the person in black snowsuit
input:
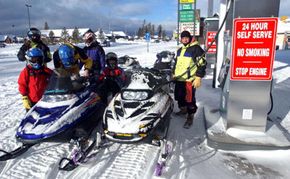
(34, 41)
(112, 79)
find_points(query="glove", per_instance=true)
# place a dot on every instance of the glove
(86, 73)
(26, 102)
(196, 82)
(173, 77)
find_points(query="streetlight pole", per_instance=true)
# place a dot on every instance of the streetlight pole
(28, 6)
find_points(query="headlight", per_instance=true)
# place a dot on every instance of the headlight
(58, 98)
(135, 95)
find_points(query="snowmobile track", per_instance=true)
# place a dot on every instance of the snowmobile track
(37, 160)
(130, 162)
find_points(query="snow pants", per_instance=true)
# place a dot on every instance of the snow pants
(180, 94)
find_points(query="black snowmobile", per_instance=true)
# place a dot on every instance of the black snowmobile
(165, 63)
(128, 63)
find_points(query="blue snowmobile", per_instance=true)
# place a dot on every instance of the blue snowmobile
(65, 105)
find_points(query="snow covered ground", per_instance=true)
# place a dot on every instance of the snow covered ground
(191, 157)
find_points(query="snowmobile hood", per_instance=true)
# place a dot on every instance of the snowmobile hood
(139, 107)
(56, 113)
(136, 117)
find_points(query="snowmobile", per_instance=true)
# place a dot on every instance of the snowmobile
(164, 63)
(141, 113)
(128, 63)
(65, 104)
(140, 109)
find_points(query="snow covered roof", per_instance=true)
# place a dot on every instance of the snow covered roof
(57, 32)
(283, 26)
(119, 33)
(3, 38)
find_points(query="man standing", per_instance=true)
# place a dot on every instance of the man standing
(189, 68)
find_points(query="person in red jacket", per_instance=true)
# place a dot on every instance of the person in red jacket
(34, 78)
(113, 77)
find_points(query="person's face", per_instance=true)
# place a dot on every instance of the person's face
(112, 63)
(185, 40)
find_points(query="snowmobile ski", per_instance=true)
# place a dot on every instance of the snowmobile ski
(166, 149)
(15, 153)
(187, 125)
(81, 149)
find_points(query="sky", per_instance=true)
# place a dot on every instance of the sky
(125, 15)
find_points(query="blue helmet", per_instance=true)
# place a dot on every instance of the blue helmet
(66, 55)
(35, 58)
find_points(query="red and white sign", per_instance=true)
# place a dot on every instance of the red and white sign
(209, 38)
(189, 27)
(253, 48)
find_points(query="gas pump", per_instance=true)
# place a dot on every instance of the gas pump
(211, 29)
(246, 76)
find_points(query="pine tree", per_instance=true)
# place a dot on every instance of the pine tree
(46, 27)
(76, 35)
(163, 35)
(159, 31)
(139, 33)
(64, 35)
(51, 37)
(152, 31)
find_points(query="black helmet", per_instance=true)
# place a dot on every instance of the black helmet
(111, 59)
(34, 34)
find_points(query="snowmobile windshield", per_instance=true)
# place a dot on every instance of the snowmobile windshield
(62, 85)
(146, 79)
(122, 60)
(165, 56)
(165, 60)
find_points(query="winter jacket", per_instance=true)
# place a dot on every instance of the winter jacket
(117, 75)
(32, 83)
(79, 56)
(29, 44)
(189, 57)
(97, 54)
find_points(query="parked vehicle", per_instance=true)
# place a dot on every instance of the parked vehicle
(2, 45)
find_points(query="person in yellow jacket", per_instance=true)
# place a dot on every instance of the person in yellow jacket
(189, 68)
(69, 58)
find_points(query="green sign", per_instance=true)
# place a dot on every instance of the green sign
(186, 6)
(186, 16)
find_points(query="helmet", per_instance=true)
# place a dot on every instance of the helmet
(112, 59)
(34, 34)
(35, 58)
(66, 55)
(89, 37)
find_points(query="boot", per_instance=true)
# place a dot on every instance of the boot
(189, 121)
(183, 110)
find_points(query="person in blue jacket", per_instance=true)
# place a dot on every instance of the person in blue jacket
(95, 52)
